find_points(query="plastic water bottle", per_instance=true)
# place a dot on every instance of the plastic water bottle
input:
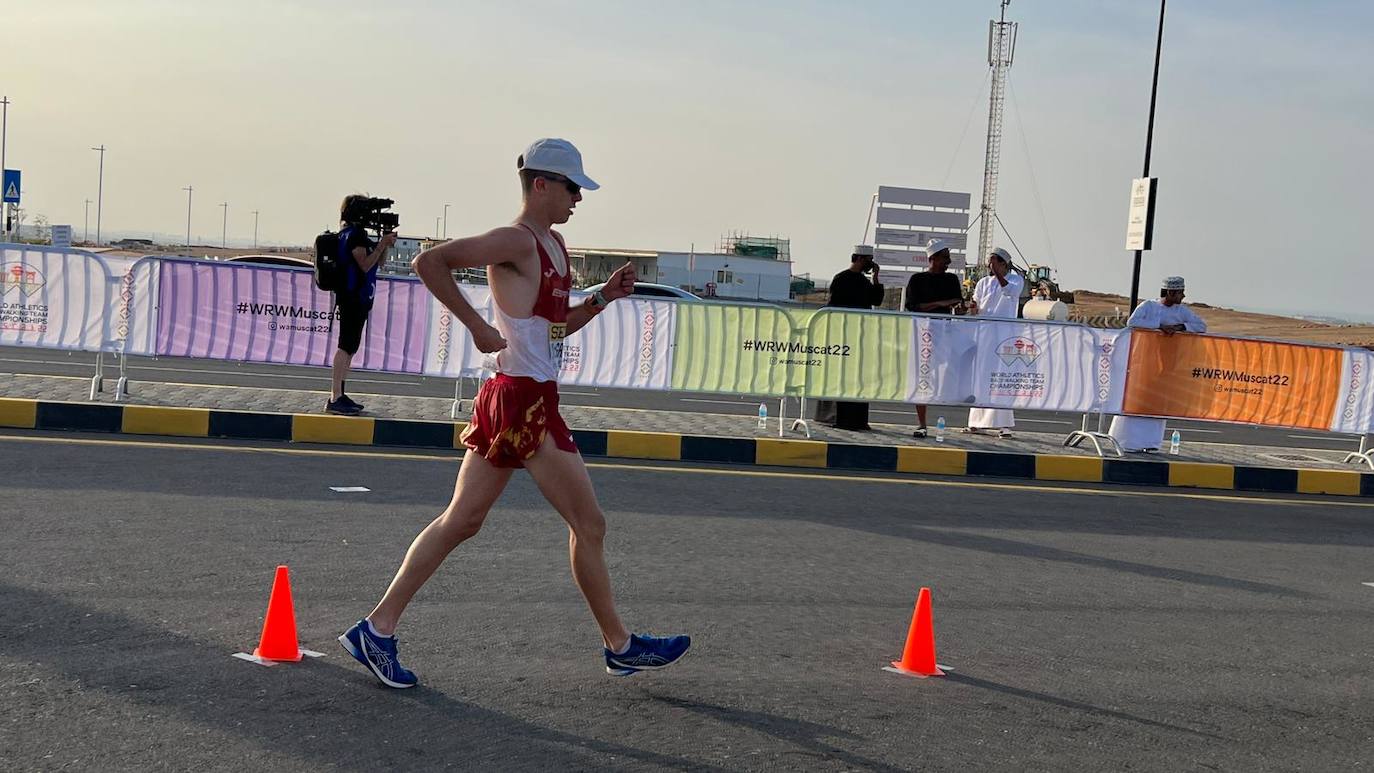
(940, 430)
(1173, 442)
(763, 415)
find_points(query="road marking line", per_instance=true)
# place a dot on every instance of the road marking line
(1327, 438)
(718, 402)
(131, 368)
(1194, 429)
(349, 489)
(819, 474)
(1370, 584)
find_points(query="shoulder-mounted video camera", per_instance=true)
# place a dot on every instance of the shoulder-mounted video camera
(371, 213)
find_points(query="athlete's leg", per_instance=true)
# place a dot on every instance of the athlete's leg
(479, 485)
(562, 477)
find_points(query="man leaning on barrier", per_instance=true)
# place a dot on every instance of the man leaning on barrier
(1168, 315)
(933, 291)
(353, 298)
(857, 287)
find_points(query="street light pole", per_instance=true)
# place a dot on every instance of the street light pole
(100, 193)
(446, 206)
(1149, 139)
(436, 228)
(4, 138)
(87, 237)
(255, 230)
(188, 190)
(224, 235)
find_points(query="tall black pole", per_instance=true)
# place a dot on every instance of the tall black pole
(1149, 138)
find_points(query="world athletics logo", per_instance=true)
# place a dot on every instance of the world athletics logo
(1019, 348)
(17, 276)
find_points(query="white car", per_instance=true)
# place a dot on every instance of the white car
(651, 290)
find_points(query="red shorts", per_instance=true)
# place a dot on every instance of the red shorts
(510, 418)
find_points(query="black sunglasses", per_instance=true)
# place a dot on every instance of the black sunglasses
(572, 187)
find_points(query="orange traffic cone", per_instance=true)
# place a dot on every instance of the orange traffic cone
(918, 658)
(279, 629)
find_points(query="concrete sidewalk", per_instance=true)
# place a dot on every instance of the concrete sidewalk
(58, 402)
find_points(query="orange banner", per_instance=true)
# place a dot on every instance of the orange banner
(1232, 379)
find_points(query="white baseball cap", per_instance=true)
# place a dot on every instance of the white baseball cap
(1001, 253)
(935, 246)
(557, 156)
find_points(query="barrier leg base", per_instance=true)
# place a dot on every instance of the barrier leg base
(1364, 458)
(1098, 439)
(121, 388)
(97, 385)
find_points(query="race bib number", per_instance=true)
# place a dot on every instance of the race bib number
(557, 332)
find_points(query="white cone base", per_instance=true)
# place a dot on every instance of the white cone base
(939, 671)
(251, 658)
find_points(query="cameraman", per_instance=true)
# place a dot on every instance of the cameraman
(359, 260)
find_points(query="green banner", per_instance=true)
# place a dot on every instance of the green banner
(733, 349)
(856, 355)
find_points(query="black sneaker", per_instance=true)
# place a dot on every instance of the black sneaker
(350, 401)
(343, 407)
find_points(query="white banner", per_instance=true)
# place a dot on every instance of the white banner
(133, 306)
(996, 363)
(56, 299)
(1355, 405)
(940, 368)
(627, 346)
(1040, 366)
(449, 350)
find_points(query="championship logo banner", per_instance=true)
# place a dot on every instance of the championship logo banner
(54, 299)
(1214, 378)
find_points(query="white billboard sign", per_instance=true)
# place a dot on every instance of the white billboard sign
(62, 236)
(1140, 222)
(892, 237)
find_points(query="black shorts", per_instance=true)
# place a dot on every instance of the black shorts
(352, 317)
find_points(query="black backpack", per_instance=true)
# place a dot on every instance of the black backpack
(328, 272)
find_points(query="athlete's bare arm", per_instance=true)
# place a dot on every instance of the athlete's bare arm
(500, 248)
(620, 285)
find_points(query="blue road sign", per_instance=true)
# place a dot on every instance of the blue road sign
(10, 186)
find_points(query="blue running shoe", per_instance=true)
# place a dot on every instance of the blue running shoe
(378, 653)
(647, 653)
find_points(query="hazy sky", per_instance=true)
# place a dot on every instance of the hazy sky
(777, 118)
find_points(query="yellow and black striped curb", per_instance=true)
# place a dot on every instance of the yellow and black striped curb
(625, 444)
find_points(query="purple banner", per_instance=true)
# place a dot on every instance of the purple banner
(245, 313)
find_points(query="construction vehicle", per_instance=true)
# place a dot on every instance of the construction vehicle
(1040, 284)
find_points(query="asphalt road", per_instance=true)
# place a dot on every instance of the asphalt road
(24, 360)
(1085, 629)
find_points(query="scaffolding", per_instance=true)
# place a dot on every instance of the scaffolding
(741, 243)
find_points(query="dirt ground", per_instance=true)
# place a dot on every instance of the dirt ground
(1089, 304)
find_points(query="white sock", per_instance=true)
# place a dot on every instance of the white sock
(626, 648)
(377, 633)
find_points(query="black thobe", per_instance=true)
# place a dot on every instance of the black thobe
(849, 290)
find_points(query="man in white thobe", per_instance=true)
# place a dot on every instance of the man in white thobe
(1168, 314)
(996, 295)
